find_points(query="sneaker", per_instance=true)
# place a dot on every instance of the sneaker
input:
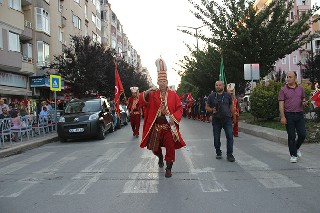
(299, 153)
(218, 156)
(230, 158)
(293, 159)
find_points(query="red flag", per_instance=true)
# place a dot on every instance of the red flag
(189, 97)
(118, 90)
(316, 98)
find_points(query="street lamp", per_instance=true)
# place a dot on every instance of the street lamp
(196, 29)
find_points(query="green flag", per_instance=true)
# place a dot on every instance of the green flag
(222, 76)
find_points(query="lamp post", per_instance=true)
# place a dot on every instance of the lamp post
(196, 29)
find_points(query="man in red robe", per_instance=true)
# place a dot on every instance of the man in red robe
(163, 112)
(135, 111)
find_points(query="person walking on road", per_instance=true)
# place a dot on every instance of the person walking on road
(163, 112)
(220, 105)
(292, 100)
(135, 111)
(231, 91)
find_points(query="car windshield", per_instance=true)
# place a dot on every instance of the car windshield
(83, 106)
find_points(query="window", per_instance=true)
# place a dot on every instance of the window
(99, 39)
(94, 37)
(14, 42)
(42, 20)
(1, 1)
(76, 21)
(77, 1)
(43, 53)
(98, 23)
(291, 15)
(27, 51)
(294, 59)
(94, 2)
(1, 39)
(284, 60)
(85, 11)
(94, 19)
(60, 34)
(113, 44)
(15, 4)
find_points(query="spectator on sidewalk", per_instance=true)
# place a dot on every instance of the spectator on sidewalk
(22, 109)
(5, 113)
(16, 123)
(3, 105)
(292, 100)
(44, 112)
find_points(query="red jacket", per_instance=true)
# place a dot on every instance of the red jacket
(152, 105)
(130, 102)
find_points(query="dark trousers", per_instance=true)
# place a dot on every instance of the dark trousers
(226, 124)
(295, 122)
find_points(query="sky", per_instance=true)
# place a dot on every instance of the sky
(151, 26)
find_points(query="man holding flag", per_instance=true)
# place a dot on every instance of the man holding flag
(118, 90)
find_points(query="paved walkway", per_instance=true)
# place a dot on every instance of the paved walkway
(262, 132)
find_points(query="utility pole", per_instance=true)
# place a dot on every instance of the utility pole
(196, 29)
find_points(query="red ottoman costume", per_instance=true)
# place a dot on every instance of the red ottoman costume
(135, 111)
(163, 107)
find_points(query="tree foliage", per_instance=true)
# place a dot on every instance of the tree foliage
(90, 68)
(312, 68)
(243, 35)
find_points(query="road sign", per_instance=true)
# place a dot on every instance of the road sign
(55, 83)
(251, 72)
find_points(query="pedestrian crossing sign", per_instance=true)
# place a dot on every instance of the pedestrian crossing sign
(55, 83)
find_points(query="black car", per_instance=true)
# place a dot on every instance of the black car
(85, 118)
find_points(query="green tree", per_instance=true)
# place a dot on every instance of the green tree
(312, 68)
(88, 66)
(243, 35)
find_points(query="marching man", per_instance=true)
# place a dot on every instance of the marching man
(161, 122)
(135, 111)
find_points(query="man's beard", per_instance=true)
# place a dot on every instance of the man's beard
(219, 90)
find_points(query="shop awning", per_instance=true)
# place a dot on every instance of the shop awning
(15, 91)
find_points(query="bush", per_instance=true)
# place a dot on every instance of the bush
(264, 101)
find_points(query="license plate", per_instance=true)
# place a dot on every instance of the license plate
(77, 130)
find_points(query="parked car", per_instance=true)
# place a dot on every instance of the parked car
(85, 118)
(123, 119)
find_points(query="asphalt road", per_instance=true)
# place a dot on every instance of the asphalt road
(115, 175)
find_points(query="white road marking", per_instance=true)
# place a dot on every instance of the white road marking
(145, 177)
(262, 172)
(23, 163)
(91, 174)
(41, 175)
(206, 177)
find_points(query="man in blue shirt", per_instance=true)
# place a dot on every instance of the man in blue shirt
(220, 105)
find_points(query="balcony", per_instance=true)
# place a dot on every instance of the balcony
(303, 7)
(27, 32)
(10, 61)
(26, 2)
(63, 21)
(27, 66)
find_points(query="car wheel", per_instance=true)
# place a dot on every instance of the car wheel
(126, 121)
(111, 129)
(101, 133)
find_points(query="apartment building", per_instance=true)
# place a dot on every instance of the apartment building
(32, 32)
(16, 53)
(290, 61)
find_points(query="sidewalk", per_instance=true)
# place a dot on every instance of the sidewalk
(274, 135)
(19, 147)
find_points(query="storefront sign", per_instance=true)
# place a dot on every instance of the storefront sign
(39, 81)
(13, 80)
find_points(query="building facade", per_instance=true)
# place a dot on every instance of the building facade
(40, 30)
(290, 62)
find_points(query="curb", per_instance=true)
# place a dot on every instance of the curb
(27, 146)
(277, 136)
